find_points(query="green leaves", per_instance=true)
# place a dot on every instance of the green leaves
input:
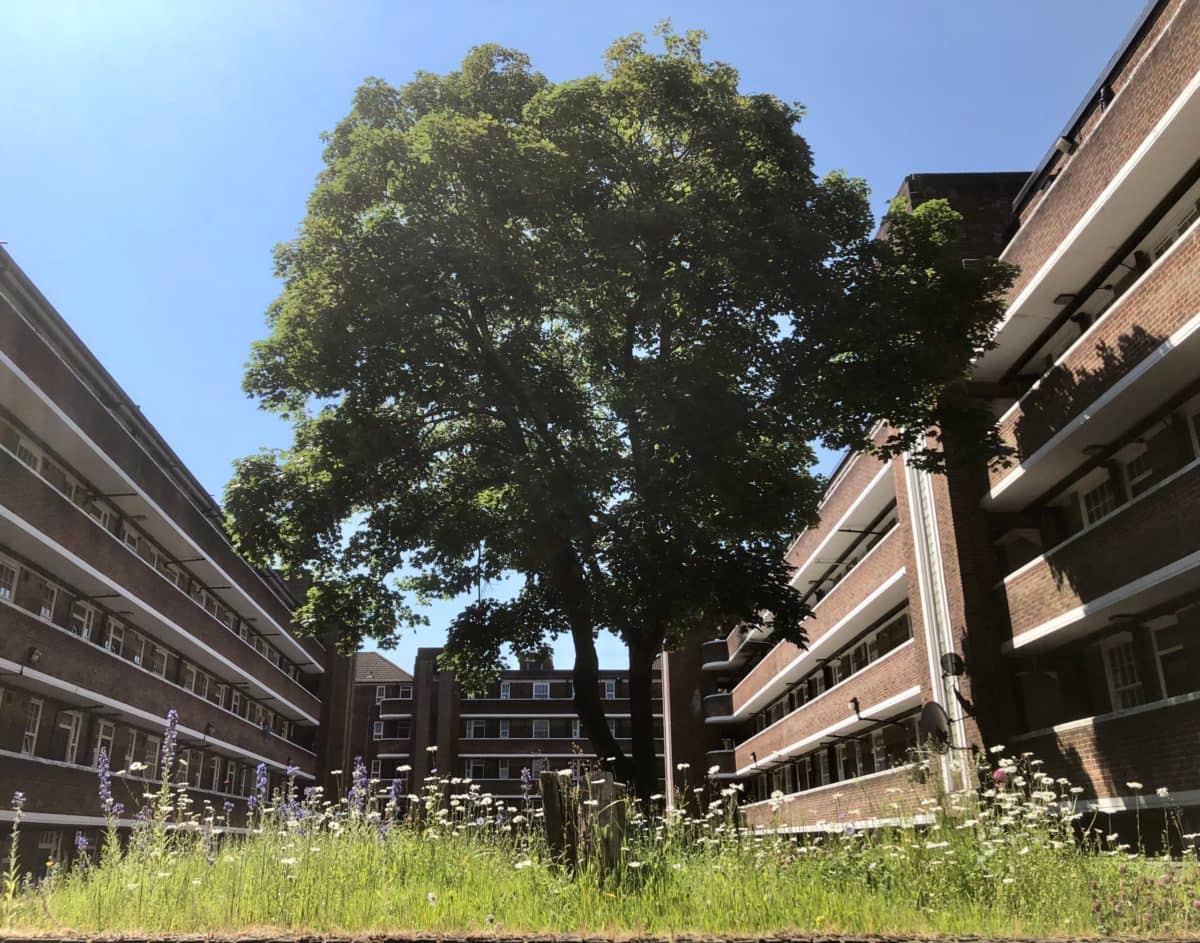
(586, 332)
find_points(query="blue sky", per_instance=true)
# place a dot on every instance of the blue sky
(155, 152)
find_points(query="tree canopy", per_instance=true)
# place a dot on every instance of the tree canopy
(587, 332)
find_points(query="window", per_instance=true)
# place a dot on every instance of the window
(1139, 473)
(541, 690)
(150, 755)
(131, 748)
(405, 692)
(1176, 666)
(50, 845)
(505, 728)
(214, 774)
(1124, 682)
(70, 723)
(612, 725)
(403, 730)
(541, 729)
(115, 638)
(476, 769)
(377, 730)
(502, 770)
(610, 689)
(476, 729)
(158, 661)
(244, 782)
(8, 578)
(26, 453)
(83, 618)
(130, 537)
(576, 729)
(33, 721)
(1099, 501)
(376, 768)
(380, 692)
(505, 690)
(195, 773)
(235, 702)
(105, 734)
(46, 604)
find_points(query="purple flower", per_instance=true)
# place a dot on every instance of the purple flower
(228, 807)
(357, 796)
(259, 795)
(81, 842)
(18, 801)
(170, 738)
(105, 790)
(999, 776)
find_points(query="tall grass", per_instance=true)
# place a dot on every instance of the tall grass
(1016, 859)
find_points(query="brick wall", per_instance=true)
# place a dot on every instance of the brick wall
(1163, 301)
(887, 677)
(880, 796)
(1168, 62)
(885, 559)
(1141, 538)
(1156, 747)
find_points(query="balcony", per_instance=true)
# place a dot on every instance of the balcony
(1138, 354)
(53, 788)
(1142, 145)
(1151, 744)
(718, 708)
(41, 525)
(722, 761)
(733, 651)
(103, 451)
(1144, 554)
(395, 707)
(83, 673)
(866, 593)
(885, 688)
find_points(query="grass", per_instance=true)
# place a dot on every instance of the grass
(1015, 860)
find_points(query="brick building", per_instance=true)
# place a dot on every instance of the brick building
(1052, 605)
(121, 598)
(525, 720)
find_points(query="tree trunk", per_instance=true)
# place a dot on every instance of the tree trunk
(641, 713)
(590, 707)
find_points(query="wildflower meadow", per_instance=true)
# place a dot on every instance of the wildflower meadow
(1018, 858)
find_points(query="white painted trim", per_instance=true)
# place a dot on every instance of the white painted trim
(1071, 616)
(1092, 211)
(854, 506)
(1083, 723)
(802, 794)
(859, 825)
(807, 704)
(92, 821)
(792, 749)
(533, 716)
(168, 519)
(12, 668)
(820, 643)
(1045, 554)
(1148, 363)
(125, 593)
(142, 668)
(1136, 801)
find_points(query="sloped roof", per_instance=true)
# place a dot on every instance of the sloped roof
(373, 668)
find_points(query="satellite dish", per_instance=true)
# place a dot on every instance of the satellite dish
(934, 727)
(953, 665)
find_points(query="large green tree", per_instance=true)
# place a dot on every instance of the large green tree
(585, 332)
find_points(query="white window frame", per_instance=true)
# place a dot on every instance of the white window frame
(476, 769)
(405, 693)
(506, 690)
(106, 734)
(87, 615)
(33, 726)
(376, 768)
(502, 769)
(476, 729)
(377, 730)
(380, 692)
(1115, 691)
(49, 598)
(151, 749)
(72, 723)
(505, 728)
(541, 690)
(610, 689)
(537, 724)
(114, 636)
(576, 728)
(9, 591)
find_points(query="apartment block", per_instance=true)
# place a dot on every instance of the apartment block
(1051, 605)
(410, 726)
(121, 598)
